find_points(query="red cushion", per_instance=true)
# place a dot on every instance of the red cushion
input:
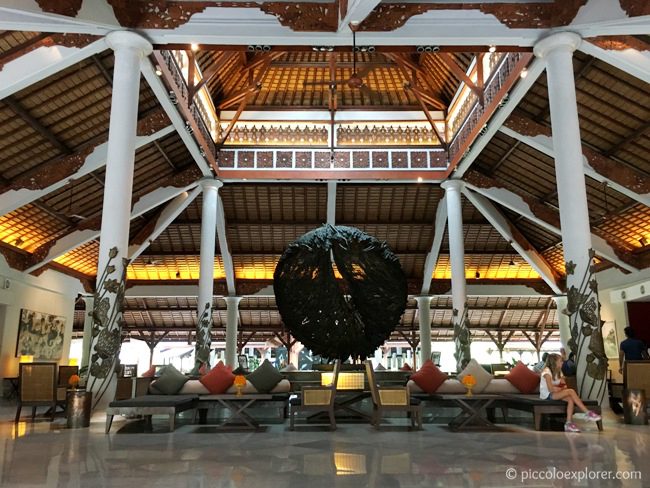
(522, 378)
(218, 379)
(429, 377)
(150, 372)
(406, 367)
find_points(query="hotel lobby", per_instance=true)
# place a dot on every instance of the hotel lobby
(325, 199)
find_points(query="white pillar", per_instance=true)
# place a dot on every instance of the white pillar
(457, 259)
(424, 321)
(557, 51)
(563, 322)
(232, 321)
(129, 49)
(210, 189)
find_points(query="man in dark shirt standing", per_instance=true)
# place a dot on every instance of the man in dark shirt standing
(631, 349)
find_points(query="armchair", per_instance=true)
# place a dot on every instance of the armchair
(392, 398)
(319, 398)
(37, 387)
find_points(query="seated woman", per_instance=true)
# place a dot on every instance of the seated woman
(553, 387)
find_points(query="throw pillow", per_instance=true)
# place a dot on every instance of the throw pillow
(481, 376)
(171, 380)
(265, 377)
(218, 379)
(149, 373)
(406, 367)
(289, 367)
(522, 378)
(429, 377)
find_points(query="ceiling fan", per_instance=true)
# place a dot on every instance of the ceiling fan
(356, 81)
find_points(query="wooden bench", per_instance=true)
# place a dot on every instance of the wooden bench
(148, 405)
(540, 408)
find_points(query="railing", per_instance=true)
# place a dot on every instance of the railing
(476, 112)
(198, 111)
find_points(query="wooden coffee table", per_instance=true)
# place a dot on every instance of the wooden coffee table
(473, 410)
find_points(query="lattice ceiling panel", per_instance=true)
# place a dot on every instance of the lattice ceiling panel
(274, 203)
(166, 267)
(481, 238)
(262, 239)
(387, 203)
(405, 238)
(629, 228)
(178, 238)
(29, 227)
(496, 266)
(255, 267)
(82, 259)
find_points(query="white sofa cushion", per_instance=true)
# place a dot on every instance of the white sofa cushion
(500, 385)
(193, 387)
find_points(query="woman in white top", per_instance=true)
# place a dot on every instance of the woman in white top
(553, 387)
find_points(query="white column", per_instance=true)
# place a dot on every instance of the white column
(210, 189)
(563, 322)
(129, 49)
(232, 322)
(424, 321)
(557, 51)
(457, 259)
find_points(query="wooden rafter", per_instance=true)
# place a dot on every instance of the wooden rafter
(450, 62)
(211, 72)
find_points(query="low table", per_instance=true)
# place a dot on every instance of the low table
(236, 404)
(148, 405)
(474, 409)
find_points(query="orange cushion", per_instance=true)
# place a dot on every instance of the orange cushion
(218, 379)
(429, 377)
(522, 378)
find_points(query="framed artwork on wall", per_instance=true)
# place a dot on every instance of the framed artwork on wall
(40, 335)
(610, 339)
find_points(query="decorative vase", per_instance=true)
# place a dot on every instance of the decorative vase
(469, 390)
(78, 406)
(239, 388)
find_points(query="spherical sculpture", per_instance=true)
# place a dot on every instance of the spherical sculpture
(351, 316)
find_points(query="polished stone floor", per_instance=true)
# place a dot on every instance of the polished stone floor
(44, 454)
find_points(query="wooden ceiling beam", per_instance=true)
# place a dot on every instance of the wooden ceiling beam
(542, 215)
(55, 173)
(35, 124)
(517, 240)
(630, 182)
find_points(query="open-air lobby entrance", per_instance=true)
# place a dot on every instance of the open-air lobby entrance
(324, 243)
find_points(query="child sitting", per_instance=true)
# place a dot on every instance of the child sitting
(553, 387)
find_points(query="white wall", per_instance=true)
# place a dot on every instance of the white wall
(51, 292)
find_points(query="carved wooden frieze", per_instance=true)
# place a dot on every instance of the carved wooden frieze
(152, 123)
(619, 43)
(156, 14)
(61, 7)
(48, 174)
(635, 8)
(305, 17)
(391, 16)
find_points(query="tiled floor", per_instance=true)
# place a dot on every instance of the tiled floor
(46, 454)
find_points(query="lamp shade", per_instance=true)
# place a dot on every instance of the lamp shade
(73, 362)
(26, 358)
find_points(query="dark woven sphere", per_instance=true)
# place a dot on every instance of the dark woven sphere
(340, 318)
